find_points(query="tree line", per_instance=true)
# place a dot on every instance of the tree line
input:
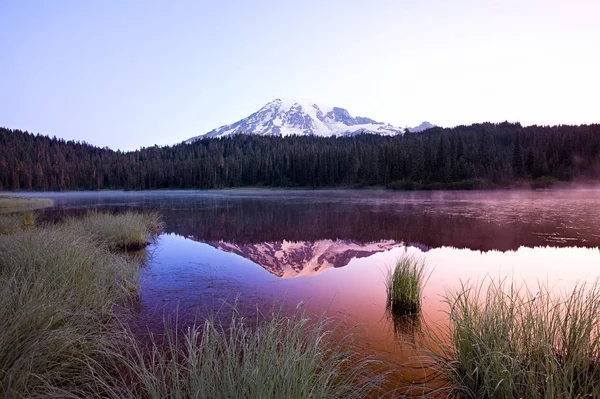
(473, 156)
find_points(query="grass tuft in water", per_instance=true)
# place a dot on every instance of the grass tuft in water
(508, 342)
(128, 230)
(404, 285)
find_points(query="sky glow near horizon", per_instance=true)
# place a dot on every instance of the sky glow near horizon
(130, 74)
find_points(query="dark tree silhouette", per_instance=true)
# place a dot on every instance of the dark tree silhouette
(463, 157)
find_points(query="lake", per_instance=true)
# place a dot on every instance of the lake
(331, 250)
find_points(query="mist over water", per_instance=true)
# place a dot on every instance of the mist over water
(483, 220)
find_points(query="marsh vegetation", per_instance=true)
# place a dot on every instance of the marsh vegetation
(404, 286)
(508, 341)
(127, 230)
(15, 204)
(58, 291)
(17, 213)
(276, 355)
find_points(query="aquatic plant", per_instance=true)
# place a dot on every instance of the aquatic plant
(404, 286)
(128, 230)
(407, 325)
(282, 356)
(510, 342)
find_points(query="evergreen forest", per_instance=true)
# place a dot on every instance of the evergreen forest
(464, 157)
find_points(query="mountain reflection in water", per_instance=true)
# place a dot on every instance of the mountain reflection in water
(303, 258)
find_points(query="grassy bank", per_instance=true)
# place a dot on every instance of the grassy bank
(516, 343)
(15, 204)
(59, 286)
(58, 289)
(16, 213)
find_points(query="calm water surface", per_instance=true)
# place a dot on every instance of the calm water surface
(331, 249)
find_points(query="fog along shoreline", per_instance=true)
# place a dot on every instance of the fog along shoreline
(478, 220)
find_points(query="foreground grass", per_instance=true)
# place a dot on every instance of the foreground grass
(515, 343)
(282, 357)
(404, 286)
(14, 204)
(57, 292)
(11, 223)
(14, 222)
(59, 288)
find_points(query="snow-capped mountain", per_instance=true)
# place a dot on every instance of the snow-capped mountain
(288, 259)
(303, 117)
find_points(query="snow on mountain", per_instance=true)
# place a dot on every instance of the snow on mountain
(284, 117)
(288, 259)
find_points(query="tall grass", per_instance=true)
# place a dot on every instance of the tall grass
(57, 290)
(28, 218)
(13, 222)
(128, 230)
(508, 342)
(59, 286)
(10, 223)
(282, 357)
(404, 285)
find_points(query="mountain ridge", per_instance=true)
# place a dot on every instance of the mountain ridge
(285, 117)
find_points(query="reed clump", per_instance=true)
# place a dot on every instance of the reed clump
(128, 230)
(509, 342)
(282, 356)
(404, 285)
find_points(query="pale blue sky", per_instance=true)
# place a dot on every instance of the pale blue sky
(127, 74)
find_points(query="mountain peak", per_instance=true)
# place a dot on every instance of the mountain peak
(291, 116)
(286, 104)
(423, 126)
